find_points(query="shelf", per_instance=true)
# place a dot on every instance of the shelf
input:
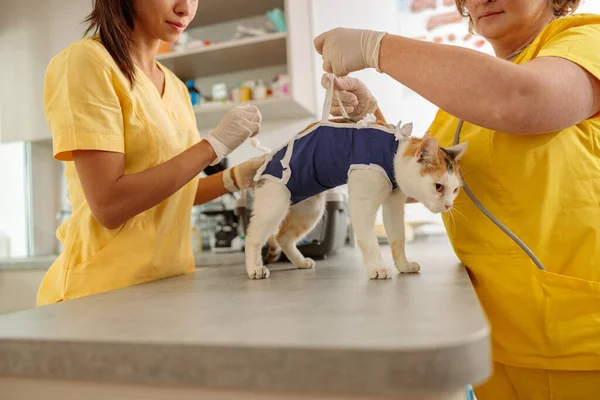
(238, 55)
(272, 109)
(219, 11)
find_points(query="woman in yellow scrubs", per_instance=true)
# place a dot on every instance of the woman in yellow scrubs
(533, 128)
(126, 128)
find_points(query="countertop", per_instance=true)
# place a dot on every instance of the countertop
(204, 259)
(327, 330)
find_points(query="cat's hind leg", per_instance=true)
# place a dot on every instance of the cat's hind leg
(271, 204)
(393, 221)
(367, 190)
(301, 219)
(273, 251)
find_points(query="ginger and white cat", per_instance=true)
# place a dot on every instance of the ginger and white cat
(421, 170)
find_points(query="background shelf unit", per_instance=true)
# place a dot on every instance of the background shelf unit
(261, 57)
(237, 55)
(220, 11)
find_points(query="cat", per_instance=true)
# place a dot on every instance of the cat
(382, 169)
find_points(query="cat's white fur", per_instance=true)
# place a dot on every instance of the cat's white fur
(368, 190)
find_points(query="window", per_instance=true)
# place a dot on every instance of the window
(13, 200)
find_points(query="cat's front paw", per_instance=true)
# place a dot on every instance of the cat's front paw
(379, 273)
(409, 268)
(258, 272)
(308, 263)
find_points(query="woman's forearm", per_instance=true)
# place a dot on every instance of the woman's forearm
(115, 197)
(142, 191)
(470, 85)
(212, 186)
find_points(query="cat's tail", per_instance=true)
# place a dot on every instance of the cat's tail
(274, 251)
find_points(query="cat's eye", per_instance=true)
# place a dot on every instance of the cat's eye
(456, 190)
(439, 187)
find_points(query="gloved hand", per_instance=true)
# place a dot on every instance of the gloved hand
(347, 50)
(356, 97)
(238, 124)
(243, 174)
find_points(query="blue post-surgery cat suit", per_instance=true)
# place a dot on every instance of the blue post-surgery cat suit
(320, 158)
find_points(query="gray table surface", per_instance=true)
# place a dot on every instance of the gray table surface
(327, 330)
(203, 259)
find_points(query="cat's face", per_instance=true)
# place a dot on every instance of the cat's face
(430, 174)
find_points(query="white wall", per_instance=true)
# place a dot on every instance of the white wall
(378, 15)
(31, 32)
(589, 6)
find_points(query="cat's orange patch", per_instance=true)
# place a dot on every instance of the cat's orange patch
(295, 225)
(439, 165)
(285, 225)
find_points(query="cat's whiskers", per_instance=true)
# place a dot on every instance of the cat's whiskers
(453, 222)
(461, 214)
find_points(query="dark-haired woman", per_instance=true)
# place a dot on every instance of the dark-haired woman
(126, 129)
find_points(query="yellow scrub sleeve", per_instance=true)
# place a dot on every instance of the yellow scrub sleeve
(90, 105)
(546, 189)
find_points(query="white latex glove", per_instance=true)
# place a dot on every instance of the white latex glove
(238, 124)
(356, 97)
(347, 50)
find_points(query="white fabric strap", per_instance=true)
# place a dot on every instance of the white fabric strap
(228, 181)
(344, 113)
(329, 101)
(286, 172)
(254, 142)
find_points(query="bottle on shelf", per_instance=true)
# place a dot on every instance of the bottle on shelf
(260, 91)
(194, 93)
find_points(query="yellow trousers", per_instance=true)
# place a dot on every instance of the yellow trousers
(514, 383)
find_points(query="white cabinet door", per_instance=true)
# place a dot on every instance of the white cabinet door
(31, 33)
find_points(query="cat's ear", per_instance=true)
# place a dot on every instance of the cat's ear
(427, 150)
(456, 152)
(427, 134)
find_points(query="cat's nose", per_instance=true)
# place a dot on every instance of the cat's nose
(448, 206)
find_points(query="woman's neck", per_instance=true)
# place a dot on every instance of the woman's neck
(144, 50)
(507, 46)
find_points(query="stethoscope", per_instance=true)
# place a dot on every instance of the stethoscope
(488, 214)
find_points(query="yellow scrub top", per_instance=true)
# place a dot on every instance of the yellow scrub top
(90, 105)
(546, 189)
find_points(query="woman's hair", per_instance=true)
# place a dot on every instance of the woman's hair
(561, 8)
(112, 21)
